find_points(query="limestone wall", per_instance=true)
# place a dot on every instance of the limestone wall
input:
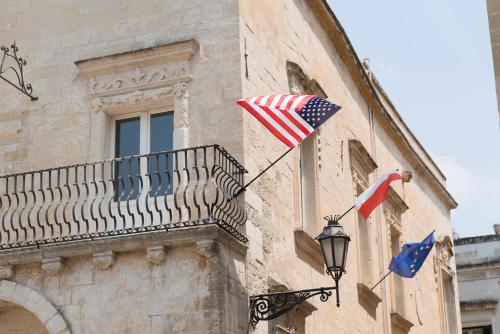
(281, 31)
(87, 63)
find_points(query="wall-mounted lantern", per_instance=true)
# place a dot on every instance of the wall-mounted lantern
(334, 243)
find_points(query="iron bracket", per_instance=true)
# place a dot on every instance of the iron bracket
(21, 85)
(272, 305)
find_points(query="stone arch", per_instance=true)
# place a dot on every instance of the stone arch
(36, 303)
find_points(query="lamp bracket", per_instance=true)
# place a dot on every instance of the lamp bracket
(272, 305)
(17, 69)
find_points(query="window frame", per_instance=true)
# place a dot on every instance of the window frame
(144, 128)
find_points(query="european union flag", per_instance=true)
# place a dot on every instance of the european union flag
(412, 256)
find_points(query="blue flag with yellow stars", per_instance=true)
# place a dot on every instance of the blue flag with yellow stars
(412, 256)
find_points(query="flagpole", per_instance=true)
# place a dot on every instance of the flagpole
(342, 215)
(260, 174)
(383, 278)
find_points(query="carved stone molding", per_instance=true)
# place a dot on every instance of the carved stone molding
(52, 266)
(300, 83)
(138, 77)
(393, 224)
(113, 103)
(156, 255)
(359, 182)
(104, 260)
(6, 271)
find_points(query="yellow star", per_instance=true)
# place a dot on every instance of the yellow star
(416, 252)
(411, 266)
(428, 247)
(414, 260)
(421, 248)
(413, 270)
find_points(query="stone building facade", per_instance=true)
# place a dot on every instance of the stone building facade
(100, 234)
(494, 22)
(478, 270)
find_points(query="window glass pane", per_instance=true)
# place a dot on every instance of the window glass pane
(161, 166)
(127, 141)
(162, 130)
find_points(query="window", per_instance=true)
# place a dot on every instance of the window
(308, 185)
(394, 207)
(138, 135)
(362, 165)
(477, 330)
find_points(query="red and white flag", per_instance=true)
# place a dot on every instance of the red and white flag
(291, 118)
(375, 194)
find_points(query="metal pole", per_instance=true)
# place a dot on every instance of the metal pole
(390, 271)
(340, 217)
(260, 174)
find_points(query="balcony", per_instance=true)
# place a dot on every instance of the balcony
(136, 194)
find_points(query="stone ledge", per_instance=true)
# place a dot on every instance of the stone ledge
(369, 298)
(182, 50)
(306, 244)
(122, 243)
(400, 322)
(482, 304)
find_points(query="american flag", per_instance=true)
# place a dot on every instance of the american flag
(291, 118)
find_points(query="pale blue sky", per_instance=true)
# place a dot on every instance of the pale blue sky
(434, 60)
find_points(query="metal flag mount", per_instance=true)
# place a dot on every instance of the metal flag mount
(17, 69)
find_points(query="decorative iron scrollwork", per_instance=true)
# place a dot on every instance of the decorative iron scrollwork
(21, 85)
(270, 306)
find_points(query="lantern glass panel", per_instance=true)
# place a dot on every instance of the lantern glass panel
(339, 244)
(326, 245)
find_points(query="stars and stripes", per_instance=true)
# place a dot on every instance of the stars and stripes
(291, 118)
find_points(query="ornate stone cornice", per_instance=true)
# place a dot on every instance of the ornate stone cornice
(360, 154)
(130, 60)
(145, 78)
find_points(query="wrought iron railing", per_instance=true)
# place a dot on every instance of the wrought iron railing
(136, 194)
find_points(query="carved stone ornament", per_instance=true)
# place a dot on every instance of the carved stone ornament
(6, 271)
(52, 266)
(104, 260)
(359, 182)
(444, 253)
(137, 77)
(393, 223)
(156, 255)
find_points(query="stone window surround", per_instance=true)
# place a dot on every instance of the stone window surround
(443, 270)
(362, 163)
(138, 81)
(394, 207)
(306, 247)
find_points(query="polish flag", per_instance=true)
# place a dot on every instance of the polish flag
(375, 194)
